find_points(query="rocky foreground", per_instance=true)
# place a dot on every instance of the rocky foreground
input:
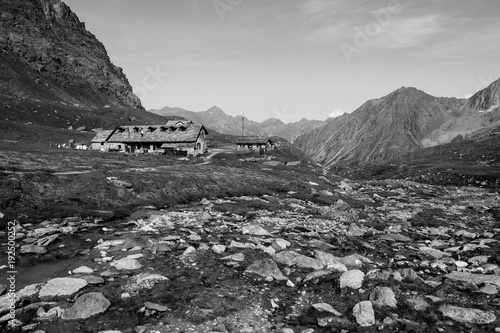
(388, 256)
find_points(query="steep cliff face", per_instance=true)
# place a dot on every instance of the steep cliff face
(43, 41)
(379, 129)
(486, 99)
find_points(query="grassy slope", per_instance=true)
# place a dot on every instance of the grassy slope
(31, 190)
(473, 162)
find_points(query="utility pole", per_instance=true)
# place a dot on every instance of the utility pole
(242, 126)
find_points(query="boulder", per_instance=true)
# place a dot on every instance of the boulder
(126, 264)
(383, 296)
(291, 258)
(61, 287)
(476, 279)
(364, 314)
(266, 268)
(352, 279)
(467, 315)
(87, 306)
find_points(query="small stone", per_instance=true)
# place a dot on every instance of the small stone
(286, 330)
(126, 264)
(478, 260)
(489, 289)
(266, 268)
(432, 253)
(235, 257)
(364, 314)
(352, 279)
(307, 330)
(418, 304)
(395, 238)
(465, 234)
(194, 237)
(33, 249)
(253, 229)
(280, 244)
(326, 308)
(219, 248)
(156, 307)
(188, 251)
(291, 258)
(83, 270)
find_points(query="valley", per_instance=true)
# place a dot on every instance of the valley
(385, 219)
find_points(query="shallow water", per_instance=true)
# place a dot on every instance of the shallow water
(32, 268)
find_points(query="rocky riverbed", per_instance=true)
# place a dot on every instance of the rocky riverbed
(386, 256)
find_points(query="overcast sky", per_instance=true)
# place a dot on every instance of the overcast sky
(291, 59)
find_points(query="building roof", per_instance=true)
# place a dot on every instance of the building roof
(174, 131)
(102, 135)
(255, 140)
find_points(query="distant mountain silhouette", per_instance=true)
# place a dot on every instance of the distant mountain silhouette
(217, 120)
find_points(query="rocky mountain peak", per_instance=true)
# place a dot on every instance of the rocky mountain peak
(44, 41)
(486, 98)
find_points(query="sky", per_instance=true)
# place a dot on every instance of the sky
(294, 59)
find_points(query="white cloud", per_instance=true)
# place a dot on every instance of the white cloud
(335, 113)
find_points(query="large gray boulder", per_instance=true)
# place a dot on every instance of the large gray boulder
(87, 306)
(61, 287)
(467, 315)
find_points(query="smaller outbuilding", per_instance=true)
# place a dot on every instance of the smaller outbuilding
(254, 143)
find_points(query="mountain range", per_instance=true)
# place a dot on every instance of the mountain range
(56, 73)
(217, 120)
(405, 120)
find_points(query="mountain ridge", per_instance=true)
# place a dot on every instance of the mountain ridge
(227, 124)
(44, 42)
(380, 128)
